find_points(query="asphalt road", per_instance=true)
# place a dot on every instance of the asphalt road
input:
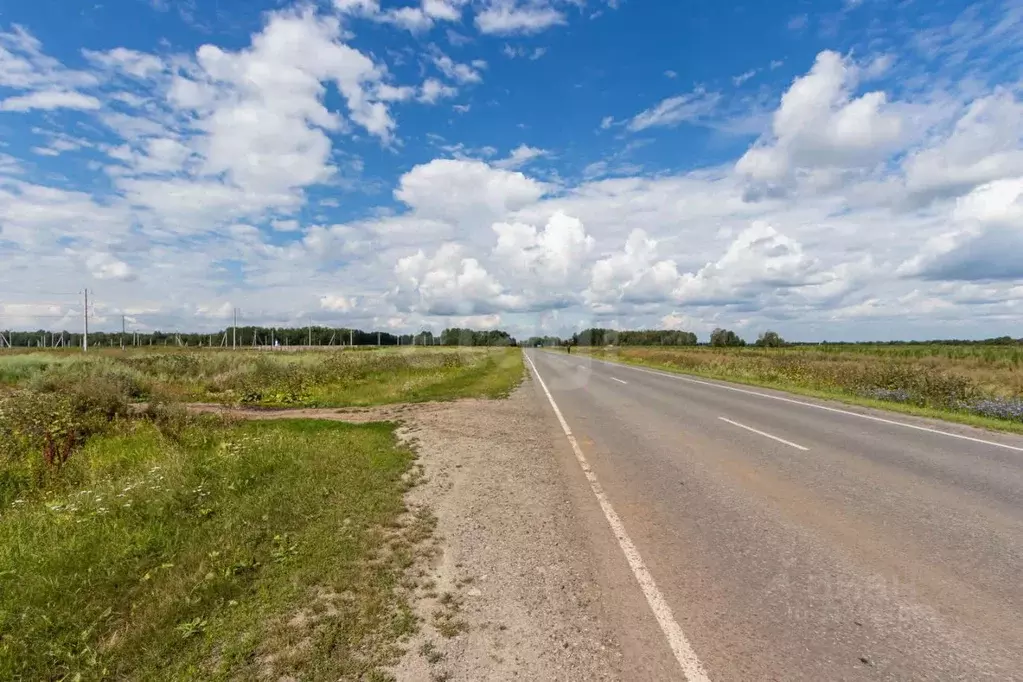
(790, 542)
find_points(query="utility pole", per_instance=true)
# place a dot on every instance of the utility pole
(310, 330)
(378, 339)
(122, 332)
(234, 331)
(85, 339)
(351, 337)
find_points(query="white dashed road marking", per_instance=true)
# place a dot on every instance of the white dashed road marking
(765, 435)
(816, 406)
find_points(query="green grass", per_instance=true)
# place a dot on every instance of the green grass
(467, 373)
(210, 551)
(151, 545)
(16, 367)
(837, 375)
(278, 379)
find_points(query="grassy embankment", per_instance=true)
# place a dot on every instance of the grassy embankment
(977, 385)
(159, 545)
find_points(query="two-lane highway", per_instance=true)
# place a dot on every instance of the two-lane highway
(773, 537)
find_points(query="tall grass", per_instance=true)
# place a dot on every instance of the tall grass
(43, 425)
(53, 403)
(17, 367)
(223, 552)
(313, 379)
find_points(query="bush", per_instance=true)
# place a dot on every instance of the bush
(44, 425)
(95, 384)
(171, 419)
(38, 435)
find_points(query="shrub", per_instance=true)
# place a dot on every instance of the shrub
(894, 395)
(38, 435)
(171, 419)
(95, 384)
(43, 426)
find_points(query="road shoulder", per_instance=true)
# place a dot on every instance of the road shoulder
(510, 592)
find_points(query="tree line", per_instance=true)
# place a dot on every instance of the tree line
(644, 337)
(249, 336)
(597, 336)
(455, 336)
(470, 337)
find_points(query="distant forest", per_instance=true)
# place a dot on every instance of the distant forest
(331, 336)
(597, 336)
(261, 336)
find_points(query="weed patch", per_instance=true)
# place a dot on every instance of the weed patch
(329, 378)
(201, 550)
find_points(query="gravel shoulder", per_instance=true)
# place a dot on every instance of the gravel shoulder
(512, 556)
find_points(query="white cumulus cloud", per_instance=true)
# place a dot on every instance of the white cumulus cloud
(821, 125)
(457, 189)
(506, 17)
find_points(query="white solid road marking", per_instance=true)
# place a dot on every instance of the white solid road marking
(817, 407)
(766, 435)
(618, 380)
(684, 654)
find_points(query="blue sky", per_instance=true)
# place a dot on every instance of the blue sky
(843, 169)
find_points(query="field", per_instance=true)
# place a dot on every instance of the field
(980, 385)
(275, 379)
(144, 542)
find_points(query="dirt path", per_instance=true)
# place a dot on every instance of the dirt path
(355, 415)
(510, 595)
